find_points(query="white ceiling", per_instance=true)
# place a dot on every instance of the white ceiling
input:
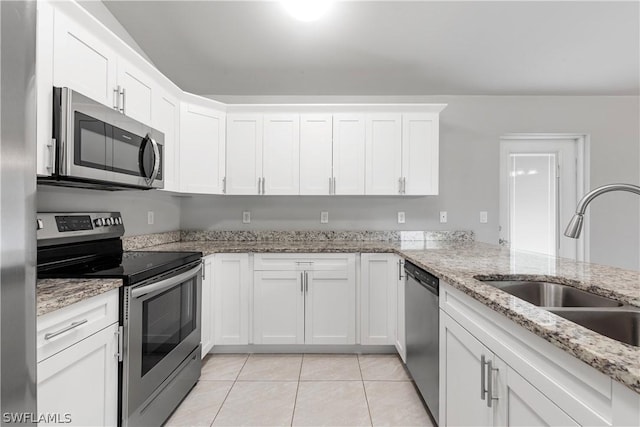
(392, 47)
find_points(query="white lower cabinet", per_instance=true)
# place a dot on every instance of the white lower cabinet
(78, 363)
(206, 319)
(231, 281)
(401, 337)
(304, 299)
(380, 274)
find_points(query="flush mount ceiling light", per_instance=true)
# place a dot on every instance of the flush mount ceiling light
(307, 10)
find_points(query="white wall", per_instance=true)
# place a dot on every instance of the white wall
(470, 130)
(133, 205)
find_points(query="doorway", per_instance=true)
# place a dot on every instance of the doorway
(541, 179)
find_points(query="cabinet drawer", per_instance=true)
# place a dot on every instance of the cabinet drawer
(304, 262)
(62, 328)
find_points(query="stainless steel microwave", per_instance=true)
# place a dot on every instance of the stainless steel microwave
(99, 147)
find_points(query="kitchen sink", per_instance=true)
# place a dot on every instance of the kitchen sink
(547, 294)
(619, 324)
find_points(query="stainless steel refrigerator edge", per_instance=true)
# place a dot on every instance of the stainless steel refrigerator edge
(17, 210)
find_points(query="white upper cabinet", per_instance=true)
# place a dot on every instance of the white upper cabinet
(420, 154)
(383, 154)
(83, 61)
(202, 149)
(316, 141)
(44, 88)
(244, 154)
(166, 119)
(281, 154)
(348, 153)
(136, 92)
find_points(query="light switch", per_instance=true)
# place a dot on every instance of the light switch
(324, 217)
(246, 217)
(401, 218)
(483, 217)
(443, 216)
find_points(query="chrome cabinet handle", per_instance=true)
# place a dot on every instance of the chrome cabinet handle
(490, 397)
(301, 282)
(334, 185)
(306, 282)
(204, 275)
(224, 185)
(404, 185)
(123, 106)
(400, 265)
(116, 98)
(400, 185)
(51, 148)
(263, 183)
(259, 185)
(120, 335)
(483, 390)
(65, 329)
(330, 185)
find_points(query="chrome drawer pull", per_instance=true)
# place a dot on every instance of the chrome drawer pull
(483, 390)
(63, 330)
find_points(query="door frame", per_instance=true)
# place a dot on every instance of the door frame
(583, 172)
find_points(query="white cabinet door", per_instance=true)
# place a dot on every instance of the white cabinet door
(82, 61)
(231, 281)
(401, 338)
(521, 404)
(136, 92)
(383, 154)
(316, 154)
(202, 149)
(378, 287)
(166, 118)
(349, 153)
(244, 153)
(420, 154)
(461, 377)
(281, 154)
(206, 318)
(278, 307)
(44, 88)
(330, 307)
(82, 381)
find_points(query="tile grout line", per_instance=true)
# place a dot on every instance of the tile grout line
(229, 392)
(295, 400)
(366, 398)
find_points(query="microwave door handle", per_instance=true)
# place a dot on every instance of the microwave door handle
(156, 162)
(166, 283)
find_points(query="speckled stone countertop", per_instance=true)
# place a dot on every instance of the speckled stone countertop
(53, 294)
(459, 262)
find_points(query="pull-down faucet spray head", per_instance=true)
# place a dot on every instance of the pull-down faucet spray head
(575, 225)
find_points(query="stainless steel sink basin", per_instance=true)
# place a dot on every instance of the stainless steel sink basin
(546, 294)
(619, 324)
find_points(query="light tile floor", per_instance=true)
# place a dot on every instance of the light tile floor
(302, 390)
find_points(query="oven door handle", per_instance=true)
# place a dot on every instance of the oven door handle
(166, 283)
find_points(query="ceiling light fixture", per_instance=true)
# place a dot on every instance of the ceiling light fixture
(307, 10)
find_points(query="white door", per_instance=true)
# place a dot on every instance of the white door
(281, 154)
(461, 377)
(420, 136)
(316, 154)
(349, 153)
(231, 298)
(521, 404)
(383, 154)
(330, 307)
(244, 153)
(136, 92)
(401, 341)
(538, 194)
(166, 118)
(378, 303)
(278, 307)
(206, 322)
(83, 62)
(202, 149)
(82, 381)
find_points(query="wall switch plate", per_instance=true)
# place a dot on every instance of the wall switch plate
(483, 217)
(401, 218)
(443, 216)
(150, 218)
(246, 217)
(324, 217)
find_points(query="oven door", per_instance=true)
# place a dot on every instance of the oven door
(161, 328)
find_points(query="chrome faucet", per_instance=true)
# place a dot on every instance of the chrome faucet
(575, 225)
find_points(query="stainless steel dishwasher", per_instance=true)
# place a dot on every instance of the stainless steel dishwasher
(422, 331)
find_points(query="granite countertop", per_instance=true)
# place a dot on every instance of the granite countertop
(458, 262)
(53, 294)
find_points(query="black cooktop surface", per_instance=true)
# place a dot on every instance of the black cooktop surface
(130, 266)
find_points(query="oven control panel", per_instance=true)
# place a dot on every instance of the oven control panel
(63, 227)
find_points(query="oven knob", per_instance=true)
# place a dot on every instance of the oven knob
(119, 220)
(108, 221)
(99, 222)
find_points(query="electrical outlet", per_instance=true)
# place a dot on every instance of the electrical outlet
(443, 216)
(150, 218)
(246, 217)
(483, 217)
(401, 218)
(324, 217)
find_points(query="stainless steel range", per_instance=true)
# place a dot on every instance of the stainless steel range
(159, 307)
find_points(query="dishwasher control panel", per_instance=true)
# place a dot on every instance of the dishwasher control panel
(421, 275)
